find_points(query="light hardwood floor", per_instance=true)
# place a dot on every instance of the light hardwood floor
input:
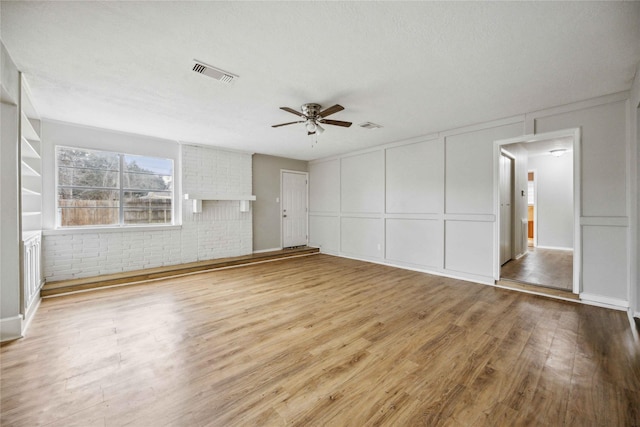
(545, 267)
(320, 340)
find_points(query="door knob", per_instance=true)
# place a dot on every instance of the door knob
(284, 216)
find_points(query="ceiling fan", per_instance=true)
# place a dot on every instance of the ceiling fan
(314, 117)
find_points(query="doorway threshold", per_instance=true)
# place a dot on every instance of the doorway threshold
(537, 290)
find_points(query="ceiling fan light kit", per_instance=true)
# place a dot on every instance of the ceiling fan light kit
(314, 117)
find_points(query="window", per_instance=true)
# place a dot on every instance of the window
(101, 188)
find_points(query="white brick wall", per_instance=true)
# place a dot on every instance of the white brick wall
(220, 231)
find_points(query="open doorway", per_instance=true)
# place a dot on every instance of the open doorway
(542, 222)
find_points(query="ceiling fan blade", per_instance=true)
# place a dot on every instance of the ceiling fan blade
(331, 110)
(336, 123)
(292, 111)
(284, 124)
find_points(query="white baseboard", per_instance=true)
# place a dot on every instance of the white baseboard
(10, 328)
(556, 248)
(267, 250)
(632, 325)
(451, 274)
(30, 314)
(520, 255)
(606, 302)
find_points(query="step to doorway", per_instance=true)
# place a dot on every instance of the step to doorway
(63, 287)
(538, 290)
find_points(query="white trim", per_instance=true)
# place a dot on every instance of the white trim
(485, 125)
(577, 237)
(607, 302)
(383, 147)
(535, 206)
(306, 174)
(31, 312)
(470, 217)
(632, 326)
(429, 137)
(633, 136)
(424, 216)
(542, 294)
(605, 221)
(11, 328)
(326, 214)
(267, 250)
(555, 248)
(467, 277)
(577, 106)
(585, 299)
(577, 211)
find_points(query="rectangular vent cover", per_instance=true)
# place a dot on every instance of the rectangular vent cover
(369, 125)
(213, 72)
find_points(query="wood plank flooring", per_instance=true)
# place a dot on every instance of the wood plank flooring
(316, 341)
(545, 267)
(108, 280)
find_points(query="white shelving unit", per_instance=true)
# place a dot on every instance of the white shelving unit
(31, 201)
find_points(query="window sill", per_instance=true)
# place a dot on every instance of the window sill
(117, 229)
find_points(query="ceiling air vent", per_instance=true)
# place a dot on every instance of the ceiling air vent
(369, 125)
(213, 72)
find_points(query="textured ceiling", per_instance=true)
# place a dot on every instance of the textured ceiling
(414, 67)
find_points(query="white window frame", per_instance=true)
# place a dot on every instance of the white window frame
(121, 189)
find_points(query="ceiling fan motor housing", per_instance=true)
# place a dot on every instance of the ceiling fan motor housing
(311, 110)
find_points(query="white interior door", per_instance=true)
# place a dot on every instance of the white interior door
(506, 195)
(294, 209)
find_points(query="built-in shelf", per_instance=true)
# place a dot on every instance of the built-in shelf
(28, 131)
(30, 165)
(28, 192)
(197, 199)
(213, 196)
(29, 149)
(27, 169)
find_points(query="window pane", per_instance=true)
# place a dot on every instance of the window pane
(74, 157)
(151, 165)
(87, 207)
(150, 207)
(85, 177)
(147, 173)
(145, 181)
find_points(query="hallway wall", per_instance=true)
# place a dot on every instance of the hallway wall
(554, 182)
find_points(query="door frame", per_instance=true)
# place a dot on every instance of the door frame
(577, 236)
(306, 174)
(535, 206)
(512, 211)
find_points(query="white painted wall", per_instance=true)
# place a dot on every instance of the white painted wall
(221, 230)
(605, 192)
(430, 202)
(393, 202)
(554, 182)
(10, 317)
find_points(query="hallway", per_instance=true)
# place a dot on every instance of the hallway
(545, 267)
